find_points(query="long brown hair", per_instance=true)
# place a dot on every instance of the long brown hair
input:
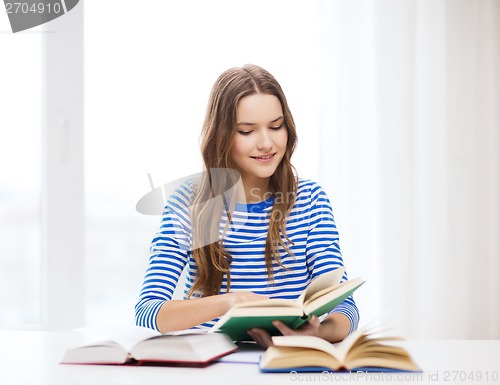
(217, 135)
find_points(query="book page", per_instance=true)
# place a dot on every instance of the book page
(323, 283)
(374, 348)
(361, 338)
(306, 342)
(123, 335)
(331, 298)
(183, 348)
(273, 302)
(286, 358)
(345, 346)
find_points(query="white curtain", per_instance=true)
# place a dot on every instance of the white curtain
(410, 155)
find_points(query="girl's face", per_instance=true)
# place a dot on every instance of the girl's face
(260, 141)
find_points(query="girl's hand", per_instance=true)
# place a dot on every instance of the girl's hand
(242, 296)
(263, 338)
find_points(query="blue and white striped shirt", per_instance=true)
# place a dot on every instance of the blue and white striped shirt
(310, 226)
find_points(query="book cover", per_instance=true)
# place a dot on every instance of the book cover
(321, 296)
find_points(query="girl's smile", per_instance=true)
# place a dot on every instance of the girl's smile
(264, 158)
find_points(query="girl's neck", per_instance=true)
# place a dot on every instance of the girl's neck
(257, 191)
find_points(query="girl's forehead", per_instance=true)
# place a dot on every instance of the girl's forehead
(258, 107)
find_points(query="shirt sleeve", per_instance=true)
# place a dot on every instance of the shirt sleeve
(168, 257)
(323, 250)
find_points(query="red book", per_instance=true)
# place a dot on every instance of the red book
(147, 347)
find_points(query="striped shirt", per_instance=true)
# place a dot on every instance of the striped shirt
(310, 226)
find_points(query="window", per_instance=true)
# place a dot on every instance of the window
(148, 75)
(20, 154)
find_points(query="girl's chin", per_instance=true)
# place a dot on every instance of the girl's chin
(257, 176)
(264, 175)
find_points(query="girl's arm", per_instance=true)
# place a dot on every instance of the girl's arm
(184, 314)
(335, 327)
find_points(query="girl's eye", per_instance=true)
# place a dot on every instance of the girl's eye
(245, 133)
(276, 128)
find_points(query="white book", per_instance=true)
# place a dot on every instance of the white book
(137, 345)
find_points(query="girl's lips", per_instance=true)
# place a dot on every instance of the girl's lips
(264, 158)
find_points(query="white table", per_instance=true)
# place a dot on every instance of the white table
(32, 357)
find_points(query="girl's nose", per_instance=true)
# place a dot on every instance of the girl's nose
(264, 141)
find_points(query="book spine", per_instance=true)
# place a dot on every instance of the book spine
(299, 321)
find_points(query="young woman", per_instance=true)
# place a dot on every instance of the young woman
(268, 241)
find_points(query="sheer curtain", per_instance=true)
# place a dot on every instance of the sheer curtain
(410, 152)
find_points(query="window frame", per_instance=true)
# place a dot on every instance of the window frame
(62, 291)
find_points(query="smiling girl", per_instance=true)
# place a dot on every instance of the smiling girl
(270, 240)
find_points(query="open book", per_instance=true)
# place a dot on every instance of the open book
(362, 350)
(141, 346)
(323, 294)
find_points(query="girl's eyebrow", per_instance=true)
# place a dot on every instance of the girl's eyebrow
(253, 124)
